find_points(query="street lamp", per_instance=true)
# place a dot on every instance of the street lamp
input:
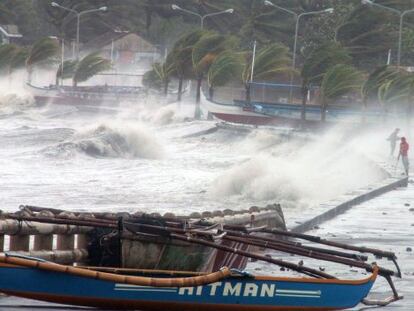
(202, 17)
(78, 15)
(298, 17)
(401, 14)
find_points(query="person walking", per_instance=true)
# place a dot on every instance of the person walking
(393, 138)
(404, 146)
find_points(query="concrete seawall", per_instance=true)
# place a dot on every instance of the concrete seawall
(330, 211)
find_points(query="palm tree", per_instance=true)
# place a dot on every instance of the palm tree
(181, 56)
(227, 66)
(398, 91)
(18, 61)
(89, 66)
(318, 62)
(338, 81)
(160, 75)
(366, 34)
(67, 71)
(270, 61)
(376, 81)
(7, 53)
(205, 52)
(41, 51)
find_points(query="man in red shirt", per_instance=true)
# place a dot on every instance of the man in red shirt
(404, 154)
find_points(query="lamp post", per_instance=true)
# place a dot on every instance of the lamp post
(401, 14)
(78, 16)
(297, 17)
(202, 17)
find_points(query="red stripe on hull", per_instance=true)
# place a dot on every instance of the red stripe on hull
(154, 305)
(267, 120)
(244, 119)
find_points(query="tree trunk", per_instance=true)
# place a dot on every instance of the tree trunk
(364, 109)
(304, 100)
(57, 81)
(197, 112)
(29, 74)
(211, 93)
(74, 83)
(180, 88)
(166, 87)
(248, 95)
(324, 106)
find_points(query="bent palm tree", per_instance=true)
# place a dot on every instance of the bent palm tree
(41, 51)
(19, 59)
(205, 52)
(89, 66)
(338, 81)
(7, 53)
(181, 56)
(319, 61)
(67, 71)
(376, 80)
(270, 61)
(227, 66)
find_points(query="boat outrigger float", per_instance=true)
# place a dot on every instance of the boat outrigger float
(227, 289)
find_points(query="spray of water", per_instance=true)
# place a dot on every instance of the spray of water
(307, 172)
(113, 140)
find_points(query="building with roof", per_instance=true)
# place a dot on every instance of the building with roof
(9, 33)
(128, 51)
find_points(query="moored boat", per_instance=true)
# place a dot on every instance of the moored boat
(286, 115)
(84, 95)
(162, 290)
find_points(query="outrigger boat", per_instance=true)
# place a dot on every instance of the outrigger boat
(161, 290)
(227, 289)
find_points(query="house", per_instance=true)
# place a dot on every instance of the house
(128, 51)
(9, 33)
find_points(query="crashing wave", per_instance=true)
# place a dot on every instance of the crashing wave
(113, 141)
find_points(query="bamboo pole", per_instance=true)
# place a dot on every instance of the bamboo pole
(297, 245)
(57, 256)
(319, 240)
(281, 263)
(23, 226)
(311, 254)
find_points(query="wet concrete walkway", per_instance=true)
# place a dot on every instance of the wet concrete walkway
(386, 222)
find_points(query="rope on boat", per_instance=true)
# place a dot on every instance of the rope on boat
(124, 279)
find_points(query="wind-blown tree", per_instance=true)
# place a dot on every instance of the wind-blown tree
(270, 61)
(89, 66)
(376, 81)
(228, 66)
(399, 91)
(7, 52)
(160, 76)
(318, 62)
(19, 59)
(367, 35)
(67, 71)
(205, 52)
(181, 56)
(339, 80)
(41, 51)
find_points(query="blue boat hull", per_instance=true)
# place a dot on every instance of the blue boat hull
(233, 293)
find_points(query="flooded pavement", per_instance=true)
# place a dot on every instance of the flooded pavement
(387, 223)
